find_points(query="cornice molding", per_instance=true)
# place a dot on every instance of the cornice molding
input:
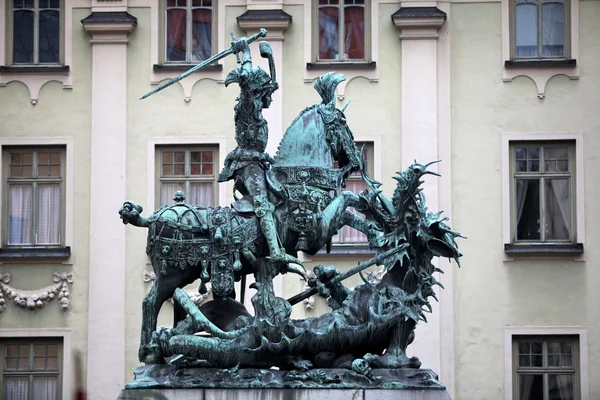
(109, 27)
(275, 21)
(418, 22)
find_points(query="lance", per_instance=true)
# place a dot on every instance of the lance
(378, 259)
(261, 34)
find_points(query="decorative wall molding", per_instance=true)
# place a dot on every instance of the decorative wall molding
(34, 299)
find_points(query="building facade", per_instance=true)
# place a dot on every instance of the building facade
(504, 92)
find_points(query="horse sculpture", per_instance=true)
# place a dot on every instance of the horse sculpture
(221, 245)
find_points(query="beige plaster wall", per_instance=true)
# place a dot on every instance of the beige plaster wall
(59, 113)
(492, 294)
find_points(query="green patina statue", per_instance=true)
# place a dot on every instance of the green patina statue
(283, 205)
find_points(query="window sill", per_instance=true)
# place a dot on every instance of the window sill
(21, 254)
(185, 67)
(341, 65)
(540, 63)
(347, 249)
(543, 249)
(35, 69)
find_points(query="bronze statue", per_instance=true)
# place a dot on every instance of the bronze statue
(285, 206)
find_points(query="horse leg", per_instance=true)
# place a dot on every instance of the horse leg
(335, 216)
(151, 305)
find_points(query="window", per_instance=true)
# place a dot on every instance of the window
(540, 29)
(341, 30)
(191, 170)
(36, 31)
(30, 370)
(188, 30)
(34, 196)
(543, 204)
(355, 183)
(546, 368)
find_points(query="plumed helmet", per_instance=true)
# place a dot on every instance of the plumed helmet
(254, 80)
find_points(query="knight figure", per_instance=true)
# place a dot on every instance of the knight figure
(248, 165)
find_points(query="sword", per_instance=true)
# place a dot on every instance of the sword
(261, 34)
(378, 259)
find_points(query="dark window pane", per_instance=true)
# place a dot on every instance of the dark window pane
(531, 387)
(49, 36)
(23, 363)
(536, 347)
(207, 169)
(11, 351)
(521, 153)
(524, 361)
(52, 363)
(566, 360)
(522, 166)
(195, 169)
(524, 348)
(207, 156)
(167, 156)
(52, 350)
(27, 170)
(179, 156)
(354, 33)
(566, 348)
(558, 209)
(179, 169)
(553, 30)
(526, 41)
(533, 153)
(43, 170)
(28, 158)
(527, 210)
(536, 361)
(176, 39)
(54, 3)
(560, 387)
(553, 361)
(23, 37)
(39, 363)
(329, 41)
(553, 348)
(195, 156)
(167, 170)
(11, 363)
(201, 34)
(562, 166)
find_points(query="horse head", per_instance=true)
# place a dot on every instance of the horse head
(320, 136)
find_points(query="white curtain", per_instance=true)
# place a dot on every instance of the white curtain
(16, 388)
(48, 223)
(560, 387)
(558, 209)
(201, 34)
(329, 41)
(19, 214)
(349, 234)
(201, 194)
(553, 30)
(167, 192)
(45, 388)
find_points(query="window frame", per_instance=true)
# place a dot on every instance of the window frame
(10, 36)
(513, 32)
(31, 373)
(546, 370)
(187, 177)
(367, 29)
(35, 181)
(163, 33)
(542, 175)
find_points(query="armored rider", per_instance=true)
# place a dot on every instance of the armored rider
(248, 165)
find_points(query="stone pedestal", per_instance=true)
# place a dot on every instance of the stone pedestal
(166, 382)
(284, 394)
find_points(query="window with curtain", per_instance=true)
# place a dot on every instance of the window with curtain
(34, 196)
(31, 370)
(36, 31)
(191, 170)
(188, 30)
(341, 30)
(546, 368)
(355, 183)
(543, 192)
(540, 29)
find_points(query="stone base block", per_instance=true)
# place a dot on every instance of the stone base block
(284, 394)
